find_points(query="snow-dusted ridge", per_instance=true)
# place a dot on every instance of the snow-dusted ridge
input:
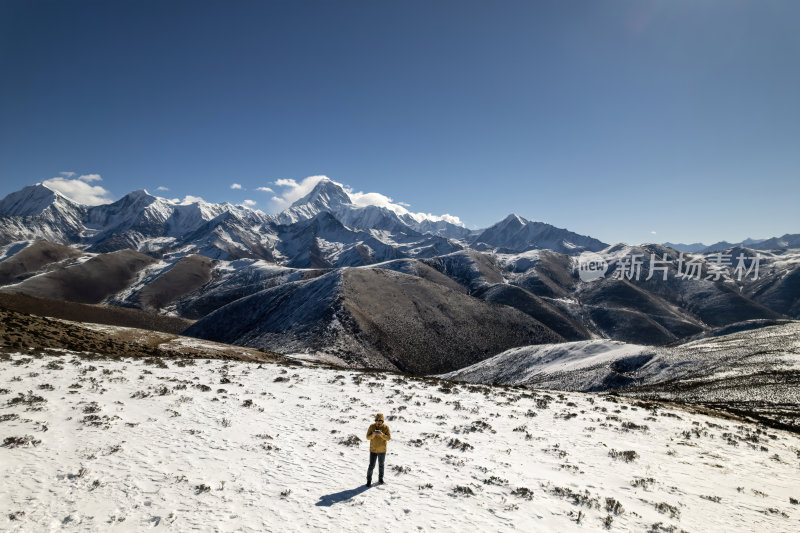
(752, 370)
(526, 364)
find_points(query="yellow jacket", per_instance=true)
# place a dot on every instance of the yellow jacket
(377, 443)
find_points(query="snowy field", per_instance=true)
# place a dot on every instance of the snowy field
(208, 445)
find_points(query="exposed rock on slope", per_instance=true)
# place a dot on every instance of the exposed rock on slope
(377, 318)
(22, 332)
(33, 258)
(422, 326)
(419, 269)
(89, 282)
(187, 275)
(98, 314)
(474, 270)
(538, 308)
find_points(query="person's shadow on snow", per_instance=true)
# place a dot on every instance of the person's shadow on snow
(338, 497)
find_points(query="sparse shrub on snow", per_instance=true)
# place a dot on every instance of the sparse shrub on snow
(577, 498)
(643, 482)
(351, 440)
(459, 445)
(463, 491)
(16, 442)
(630, 426)
(523, 492)
(665, 508)
(614, 507)
(627, 455)
(33, 401)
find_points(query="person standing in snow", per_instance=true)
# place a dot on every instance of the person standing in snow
(377, 435)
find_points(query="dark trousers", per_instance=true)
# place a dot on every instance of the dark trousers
(381, 457)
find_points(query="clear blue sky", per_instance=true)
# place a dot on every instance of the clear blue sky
(610, 118)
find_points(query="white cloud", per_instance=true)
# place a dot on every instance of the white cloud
(294, 191)
(88, 178)
(452, 219)
(79, 191)
(363, 199)
(189, 199)
(286, 183)
(653, 232)
(264, 189)
(249, 203)
(162, 188)
(235, 186)
(67, 174)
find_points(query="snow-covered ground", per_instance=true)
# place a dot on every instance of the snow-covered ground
(128, 445)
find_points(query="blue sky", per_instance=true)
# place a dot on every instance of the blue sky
(611, 118)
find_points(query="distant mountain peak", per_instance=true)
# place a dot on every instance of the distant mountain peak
(515, 218)
(42, 188)
(515, 233)
(690, 248)
(31, 200)
(325, 194)
(137, 199)
(139, 193)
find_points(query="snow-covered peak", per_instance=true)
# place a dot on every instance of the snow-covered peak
(32, 200)
(326, 195)
(140, 198)
(139, 193)
(517, 233)
(185, 218)
(515, 218)
(128, 209)
(511, 224)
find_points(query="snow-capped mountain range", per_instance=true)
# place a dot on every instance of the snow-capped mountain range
(784, 242)
(324, 228)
